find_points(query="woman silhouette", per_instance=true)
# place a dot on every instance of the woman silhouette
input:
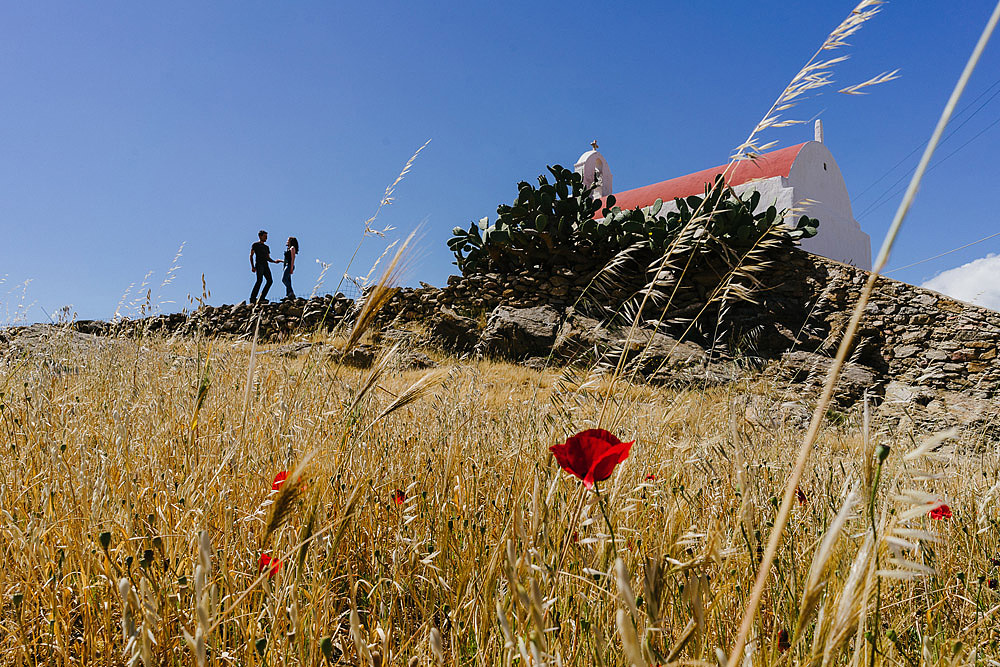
(291, 250)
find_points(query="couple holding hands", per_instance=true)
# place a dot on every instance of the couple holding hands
(260, 256)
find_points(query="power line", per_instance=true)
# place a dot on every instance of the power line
(882, 201)
(950, 134)
(947, 252)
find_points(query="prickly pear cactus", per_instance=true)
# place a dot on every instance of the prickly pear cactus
(551, 224)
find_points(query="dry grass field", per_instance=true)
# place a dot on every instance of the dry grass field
(432, 526)
(212, 502)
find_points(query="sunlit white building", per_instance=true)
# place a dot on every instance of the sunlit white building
(804, 179)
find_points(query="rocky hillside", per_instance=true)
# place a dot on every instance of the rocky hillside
(916, 348)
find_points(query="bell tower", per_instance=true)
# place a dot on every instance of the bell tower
(594, 169)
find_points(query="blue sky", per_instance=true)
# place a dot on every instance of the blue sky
(128, 129)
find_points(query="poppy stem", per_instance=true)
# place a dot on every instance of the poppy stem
(607, 520)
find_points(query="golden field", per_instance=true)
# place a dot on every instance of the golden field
(136, 501)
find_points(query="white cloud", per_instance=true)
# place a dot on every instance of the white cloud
(977, 282)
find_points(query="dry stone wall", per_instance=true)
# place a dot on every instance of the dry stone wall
(908, 335)
(277, 319)
(912, 335)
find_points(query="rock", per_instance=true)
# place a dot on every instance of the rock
(519, 333)
(774, 414)
(581, 337)
(361, 356)
(772, 338)
(59, 348)
(415, 360)
(49, 340)
(901, 394)
(94, 327)
(654, 350)
(712, 374)
(289, 350)
(536, 363)
(811, 369)
(905, 351)
(932, 410)
(453, 331)
(664, 360)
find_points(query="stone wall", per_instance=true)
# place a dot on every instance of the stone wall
(277, 319)
(909, 334)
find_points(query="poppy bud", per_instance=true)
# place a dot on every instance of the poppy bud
(882, 453)
(105, 540)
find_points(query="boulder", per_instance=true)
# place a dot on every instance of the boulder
(415, 360)
(582, 337)
(519, 333)
(929, 410)
(453, 331)
(361, 356)
(94, 327)
(664, 360)
(49, 340)
(56, 347)
(811, 369)
(706, 374)
(289, 350)
(772, 414)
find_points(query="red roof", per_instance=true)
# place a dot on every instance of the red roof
(768, 165)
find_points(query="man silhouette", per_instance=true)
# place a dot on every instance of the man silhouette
(260, 255)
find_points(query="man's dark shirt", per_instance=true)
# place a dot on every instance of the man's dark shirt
(261, 254)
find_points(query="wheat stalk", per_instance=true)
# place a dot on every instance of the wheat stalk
(845, 345)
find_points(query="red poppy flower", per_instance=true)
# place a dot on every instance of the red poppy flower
(801, 495)
(591, 455)
(995, 562)
(783, 644)
(650, 477)
(399, 496)
(279, 479)
(266, 562)
(940, 512)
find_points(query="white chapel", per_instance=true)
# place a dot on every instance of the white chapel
(803, 178)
